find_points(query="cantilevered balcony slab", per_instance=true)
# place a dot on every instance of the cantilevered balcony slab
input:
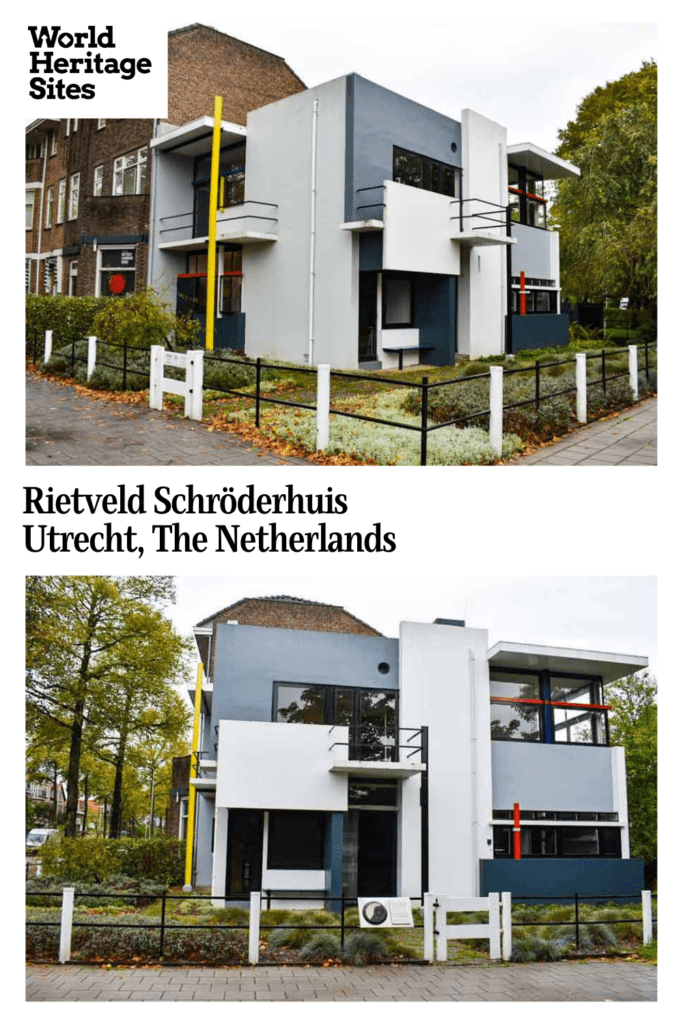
(359, 226)
(535, 657)
(377, 769)
(471, 238)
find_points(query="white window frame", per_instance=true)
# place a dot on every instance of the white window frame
(101, 123)
(67, 127)
(100, 268)
(49, 204)
(73, 276)
(61, 201)
(52, 135)
(98, 181)
(30, 198)
(74, 194)
(120, 167)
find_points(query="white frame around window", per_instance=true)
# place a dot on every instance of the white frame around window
(49, 204)
(30, 204)
(61, 201)
(67, 127)
(98, 180)
(52, 136)
(123, 268)
(73, 276)
(74, 190)
(135, 160)
(101, 123)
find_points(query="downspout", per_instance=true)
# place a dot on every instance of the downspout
(473, 781)
(151, 228)
(40, 220)
(311, 286)
(191, 790)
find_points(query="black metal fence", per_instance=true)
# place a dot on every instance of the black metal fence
(65, 349)
(576, 922)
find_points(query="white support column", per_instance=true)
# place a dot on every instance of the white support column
(506, 900)
(441, 934)
(647, 916)
(496, 409)
(220, 850)
(322, 414)
(254, 925)
(194, 378)
(48, 347)
(633, 369)
(494, 926)
(92, 354)
(581, 391)
(156, 372)
(428, 926)
(66, 924)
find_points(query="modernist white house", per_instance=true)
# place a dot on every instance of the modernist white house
(359, 228)
(335, 759)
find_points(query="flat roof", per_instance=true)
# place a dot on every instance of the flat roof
(564, 659)
(194, 138)
(537, 159)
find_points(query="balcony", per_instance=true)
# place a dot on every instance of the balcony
(366, 753)
(248, 223)
(205, 765)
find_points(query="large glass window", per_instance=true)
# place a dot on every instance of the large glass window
(296, 840)
(426, 173)
(116, 271)
(397, 295)
(548, 708)
(303, 704)
(526, 196)
(130, 174)
(558, 842)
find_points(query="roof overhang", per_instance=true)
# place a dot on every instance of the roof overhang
(537, 159)
(42, 126)
(194, 138)
(565, 659)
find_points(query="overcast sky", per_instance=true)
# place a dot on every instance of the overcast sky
(612, 614)
(528, 75)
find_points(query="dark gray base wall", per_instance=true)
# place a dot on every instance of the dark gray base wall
(228, 331)
(539, 330)
(561, 877)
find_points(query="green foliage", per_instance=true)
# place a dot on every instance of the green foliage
(230, 915)
(143, 891)
(321, 946)
(143, 319)
(365, 947)
(159, 860)
(291, 938)
(529, 949)
(633, 725)
(64, 314)
(123, 944)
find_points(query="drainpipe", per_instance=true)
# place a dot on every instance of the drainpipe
(473, 780)
(151, 227)
(311, 287)
(191, 790)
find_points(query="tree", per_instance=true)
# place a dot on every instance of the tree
(607, 218)
(82, 633)
(633, 725)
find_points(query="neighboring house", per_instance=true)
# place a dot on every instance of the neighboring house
(176, 818)
(50, 795)
(353, 223)
(334, 759)
(89, 181)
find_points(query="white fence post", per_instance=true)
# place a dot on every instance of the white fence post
(647, 916)
(322, 406)
(195, 382)
(156, 372)
(494, 926)
(633, 369)
(428, 926)
(65, 927)
(48, 347)
(441, 934)
(92, 354)
(254, 925)
(581, 396)
(496, 410)
(506, 899)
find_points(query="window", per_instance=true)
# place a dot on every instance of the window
(74, 186)
(130, 174)
(547, 708)
(51, 276)
(52, 142)
(98, 180)
(34, 150)
(30, 207)
(526, 196)
(73, 277)
(303, 704)
(536, 301)
(558, 842)
(296, 840)
(397, 302)
(49, 203)
(426, 173)
(101, 123)
(116, 272)
(61, 201)
(192, 285)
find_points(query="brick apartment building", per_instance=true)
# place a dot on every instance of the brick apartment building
(88, 181)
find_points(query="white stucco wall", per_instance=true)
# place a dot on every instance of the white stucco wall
(278, 766)
(444, 685)
(482, 286)
(173, 195)
(417, 231)
(275, 291)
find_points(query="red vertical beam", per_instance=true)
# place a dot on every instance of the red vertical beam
(522, 293)
(517, 833)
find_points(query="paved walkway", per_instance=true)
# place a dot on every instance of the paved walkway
(629, 439)
(569, 982)
(67, 428)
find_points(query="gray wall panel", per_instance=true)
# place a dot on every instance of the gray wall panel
(552, 777)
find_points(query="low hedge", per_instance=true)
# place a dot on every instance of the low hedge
(160, 860)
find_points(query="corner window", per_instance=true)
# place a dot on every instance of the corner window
(538, 706)
(426, 173)
(526, 196)
(296, 840)
(116, 272)
(74, 188)
(130, 174)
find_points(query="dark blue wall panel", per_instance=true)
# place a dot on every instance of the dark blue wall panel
(562, 877)
(435, 315)
(539, 330)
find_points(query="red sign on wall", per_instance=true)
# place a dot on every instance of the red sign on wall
(117, 284)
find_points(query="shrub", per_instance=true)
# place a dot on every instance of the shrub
(597, 937)
(230, 915)
(123, 944)
(321, 946)
(529, 949)
(64, 314)
(292, 938)
(145, 892)
(142, 319)
(364, 947)
(159, 860)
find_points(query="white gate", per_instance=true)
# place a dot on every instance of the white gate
(190, 388)
(438, 905)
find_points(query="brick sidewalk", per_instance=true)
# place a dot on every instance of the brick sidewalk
(66, 428)
(629, 439)
(566, 982)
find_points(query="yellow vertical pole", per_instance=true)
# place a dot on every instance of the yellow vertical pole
(192, 792)
(213, 198)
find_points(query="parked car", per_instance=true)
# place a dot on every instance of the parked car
(37, 836)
